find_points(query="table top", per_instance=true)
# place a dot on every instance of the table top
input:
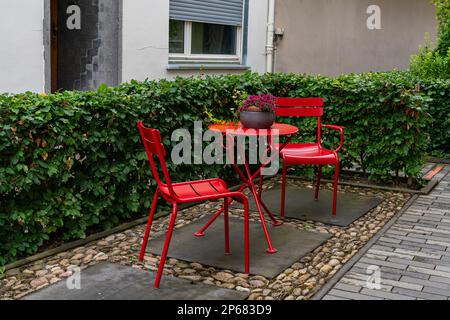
(278, 129)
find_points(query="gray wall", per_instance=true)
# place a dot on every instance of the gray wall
(110, 50)
(331, 37)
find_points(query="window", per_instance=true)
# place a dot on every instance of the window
(196, 41)
(176, 38)
(210, 38)
(205, 31)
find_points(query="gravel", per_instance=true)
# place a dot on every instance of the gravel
(299, 282)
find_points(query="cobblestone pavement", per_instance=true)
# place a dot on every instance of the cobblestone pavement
(411, 258)
(300, 281)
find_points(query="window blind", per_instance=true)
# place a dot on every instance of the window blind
(227, 12)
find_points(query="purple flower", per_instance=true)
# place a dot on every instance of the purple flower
(261, 103)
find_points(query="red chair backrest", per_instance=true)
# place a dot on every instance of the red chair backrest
(299, 107)
(302, 107)
(156, 151)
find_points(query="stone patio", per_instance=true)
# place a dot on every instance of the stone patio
(300, 204)
(300, 280)
(413, 254)
(108, 281)
(292, 245)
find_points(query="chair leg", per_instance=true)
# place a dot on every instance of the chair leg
(227, 228)
(283, 191)
(246, 236)
(336, 179)
(149, 225)
(166, 245)
(319, 177)
(261, 182)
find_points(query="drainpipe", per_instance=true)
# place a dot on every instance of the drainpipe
(270, 37)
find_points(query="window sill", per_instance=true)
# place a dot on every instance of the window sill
(212, 66)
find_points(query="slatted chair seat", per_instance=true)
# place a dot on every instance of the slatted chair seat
(185, 192)
(303, 153)
(308, 153)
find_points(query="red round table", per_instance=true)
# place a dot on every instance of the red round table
(278, 129)
(232, 130)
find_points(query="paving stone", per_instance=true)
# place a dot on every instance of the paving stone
(439, 243)
(389, 273)
(428, 218)
(443, 268)
(427, 283)
(409, 218)
(402, 284)
(393, 254)
(424, 245)
(383, 248)
(348, 287)
(384, 263)
(300, 204)
(396, 232)
(361, 281)
(330, 297)
(430, 272)
(419, 254)
(209, 249)
(417, 247)
(411, 263)
(418, 294)
(353, 295)
(386, 295)
(390, 240)
(375, 256)
(440, 279)
(107, 281)
(400, 246)
(433, 237)
(437, 291)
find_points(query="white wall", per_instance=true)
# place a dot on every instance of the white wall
(22, 49)
(257, 35)
(146, 40)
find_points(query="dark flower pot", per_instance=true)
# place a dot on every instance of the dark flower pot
(257, 120)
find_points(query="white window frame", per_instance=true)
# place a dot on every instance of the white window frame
(187, 56)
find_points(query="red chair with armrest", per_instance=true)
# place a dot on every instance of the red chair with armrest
(308, 153)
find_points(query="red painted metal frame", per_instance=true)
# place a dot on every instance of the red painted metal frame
(312, 153)
(230, 131)
(185, 192)
(236, 129)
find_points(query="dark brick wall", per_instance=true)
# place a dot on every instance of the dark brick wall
(90, 56)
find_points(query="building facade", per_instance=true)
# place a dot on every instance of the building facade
(333, 37)
(51, 45)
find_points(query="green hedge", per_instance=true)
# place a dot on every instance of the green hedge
(73, 161)
(438, 92)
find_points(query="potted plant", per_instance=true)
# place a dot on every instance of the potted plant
(257, 112)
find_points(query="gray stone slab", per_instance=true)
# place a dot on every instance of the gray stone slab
(300, 204)
(108, 281)
(417, 294)
(292, 244)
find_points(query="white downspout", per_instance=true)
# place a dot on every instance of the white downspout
(270, 36)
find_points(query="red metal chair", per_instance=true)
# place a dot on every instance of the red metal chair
(185, 192)
(308, 153)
